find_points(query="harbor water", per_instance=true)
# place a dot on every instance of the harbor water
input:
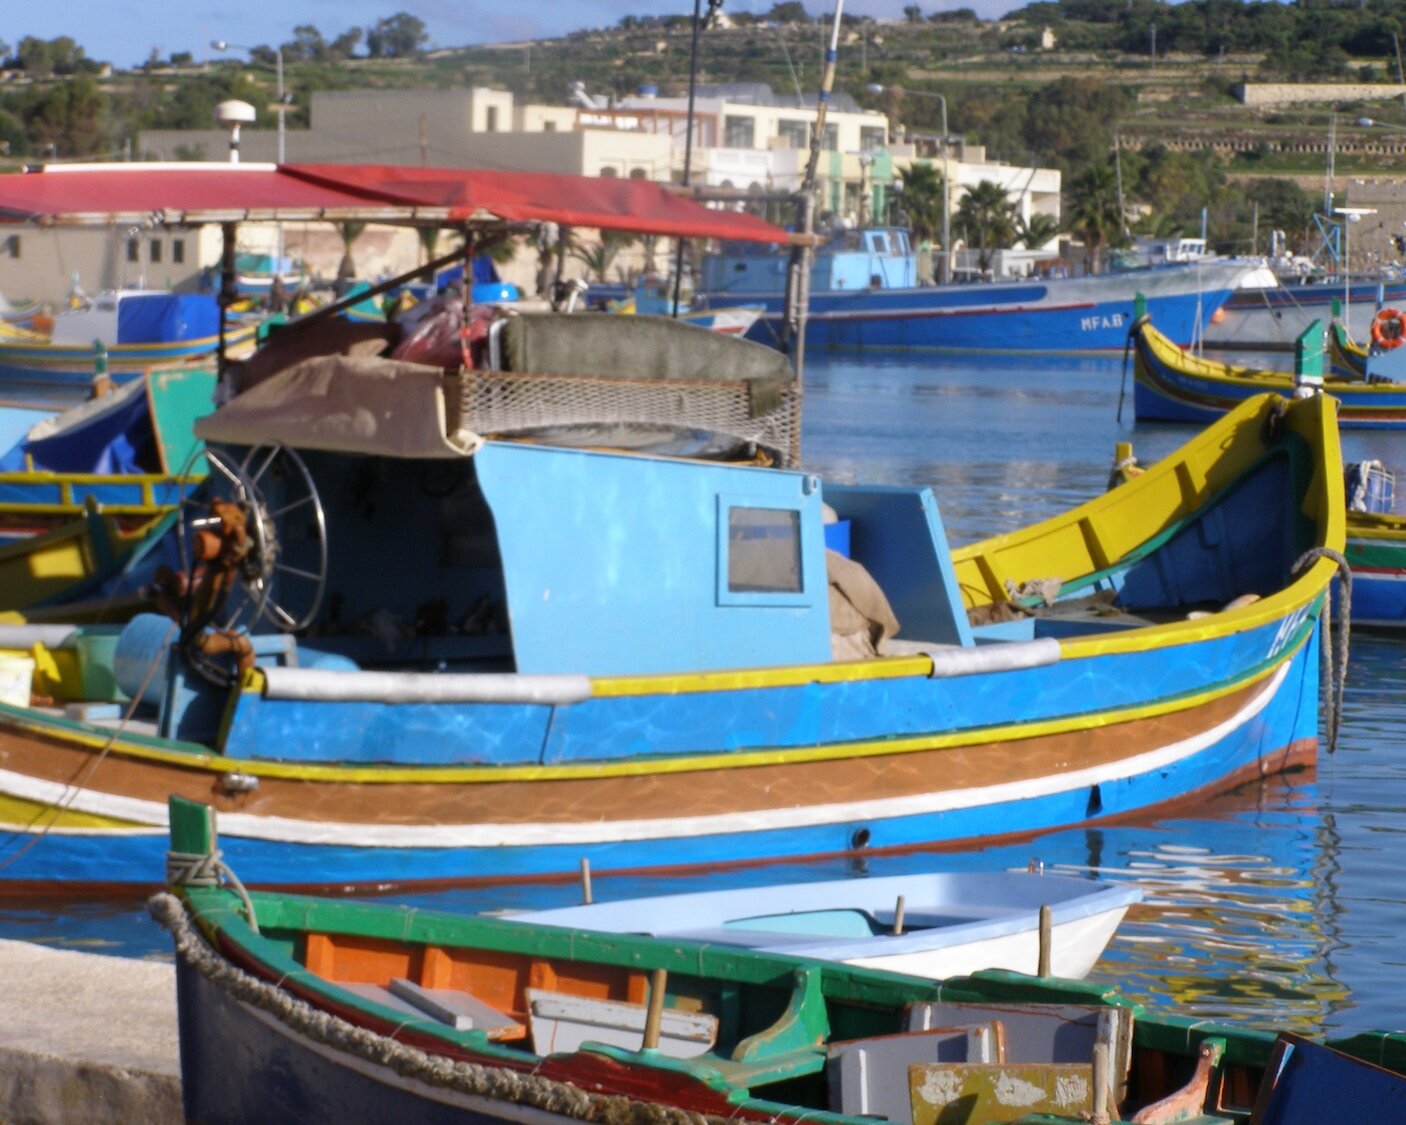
(1276, 904)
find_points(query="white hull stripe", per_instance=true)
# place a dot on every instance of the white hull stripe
(285, 830)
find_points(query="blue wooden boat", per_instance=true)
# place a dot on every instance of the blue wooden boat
(939, 924)
(505, 654)
(864, 294)
(1174, 385)
(120, 334)
(295, 1009)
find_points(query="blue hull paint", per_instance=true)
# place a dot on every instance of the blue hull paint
(1289, 720)
(912, 320)
(1378, 600)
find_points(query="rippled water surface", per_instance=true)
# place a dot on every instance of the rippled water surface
(1281, 903)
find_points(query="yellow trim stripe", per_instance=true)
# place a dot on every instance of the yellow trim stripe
(646, 766)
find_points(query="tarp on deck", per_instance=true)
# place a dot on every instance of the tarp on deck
(166, 318)
(105, 194)
(345, 404)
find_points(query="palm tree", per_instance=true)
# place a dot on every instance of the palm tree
(1095, 215)
(921, 199)
(1036, 231)
(350, 230)
(598, 257)
(987, 217)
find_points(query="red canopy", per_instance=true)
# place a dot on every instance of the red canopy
(607, 203)
(195, 193)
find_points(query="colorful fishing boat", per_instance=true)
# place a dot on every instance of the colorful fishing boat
(498, 612)
(119, 334)
(1175, 385)
(298, 1009)
(543, 680)
(1376, 552)
(86, 494)
(864, 294)
(1347, 358)
(938, 924)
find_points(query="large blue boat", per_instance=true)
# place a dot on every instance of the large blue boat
(864, 294)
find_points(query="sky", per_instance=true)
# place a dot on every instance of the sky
(124, 32)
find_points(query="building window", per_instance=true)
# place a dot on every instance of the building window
(831, 141)
(763, 551)
(549, 126)
(610, 172)
(639, 173)
(178, 250)
(12, 246)
(792, 134)
(490, 119)
(155, 251)
(133, 250)
(871, 138)
(739, 132)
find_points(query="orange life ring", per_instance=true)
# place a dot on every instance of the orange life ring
(1388, 330)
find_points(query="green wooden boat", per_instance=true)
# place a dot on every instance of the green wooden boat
(295, 1008)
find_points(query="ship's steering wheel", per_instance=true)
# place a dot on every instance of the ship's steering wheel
(235, 530)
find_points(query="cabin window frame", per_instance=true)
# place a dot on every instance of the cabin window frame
(802, 596)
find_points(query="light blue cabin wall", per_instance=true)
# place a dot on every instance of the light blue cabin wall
(897, 535)
(612, 563)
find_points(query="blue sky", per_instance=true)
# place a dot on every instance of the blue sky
(125, 31)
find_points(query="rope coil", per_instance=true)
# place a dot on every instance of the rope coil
(497, 1083)
(1334, 679)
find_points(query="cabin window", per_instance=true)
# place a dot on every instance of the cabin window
(178, 250)
(738, 132)
(879, 242)
(155, 251)
(763, 551)
(792, 134)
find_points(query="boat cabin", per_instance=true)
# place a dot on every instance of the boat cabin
(870, 258)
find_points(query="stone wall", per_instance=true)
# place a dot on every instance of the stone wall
(1261, 94)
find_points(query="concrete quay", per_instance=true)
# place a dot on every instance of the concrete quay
(86, 1038)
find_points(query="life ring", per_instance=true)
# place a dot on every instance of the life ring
(1388, 330)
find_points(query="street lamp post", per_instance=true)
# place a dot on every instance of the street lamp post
(221, 45)
(876, 88)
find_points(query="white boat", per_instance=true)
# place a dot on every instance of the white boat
(952, 923)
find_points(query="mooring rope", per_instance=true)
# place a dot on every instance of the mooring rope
(204, 869)
(1334, 681)
(497, 1083)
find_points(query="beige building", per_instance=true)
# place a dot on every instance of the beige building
(745, 137)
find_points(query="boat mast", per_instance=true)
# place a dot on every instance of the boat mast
(798, 271)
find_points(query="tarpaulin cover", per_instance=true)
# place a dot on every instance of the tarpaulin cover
(608, 203)
(213, 193)
(112, 434)
(166, 318)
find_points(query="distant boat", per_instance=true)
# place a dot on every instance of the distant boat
(1272, 317)
(935, 925)
(865, 295)
(120, 333)
(1175, 385)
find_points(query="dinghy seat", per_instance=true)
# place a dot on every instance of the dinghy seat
(452, 1006)
(562, 1022)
